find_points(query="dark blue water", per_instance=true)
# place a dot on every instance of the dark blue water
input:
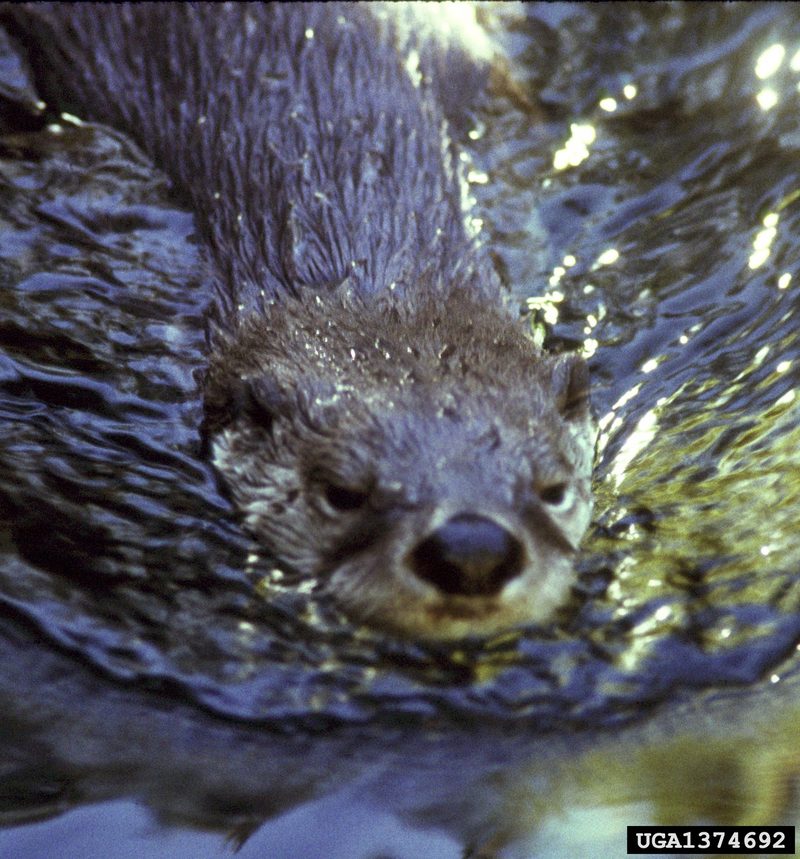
(646, 211)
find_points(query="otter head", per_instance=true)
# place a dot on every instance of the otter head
(431, 469)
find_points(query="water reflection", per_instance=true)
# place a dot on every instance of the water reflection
(729, 759)
(763, 240)
(770, 61)
(576, 148)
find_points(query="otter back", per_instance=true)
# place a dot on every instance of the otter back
(375, 409)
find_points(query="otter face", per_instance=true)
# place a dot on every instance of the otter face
(436, 508)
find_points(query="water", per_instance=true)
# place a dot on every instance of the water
(151, 653)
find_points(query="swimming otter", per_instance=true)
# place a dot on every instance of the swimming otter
(373, 405)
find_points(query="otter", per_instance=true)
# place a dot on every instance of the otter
(374, 405)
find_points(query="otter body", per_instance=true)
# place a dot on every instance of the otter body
(374, 407)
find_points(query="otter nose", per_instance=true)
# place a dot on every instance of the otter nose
(469, 555)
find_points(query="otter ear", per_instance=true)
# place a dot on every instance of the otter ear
(259, 398)
(228, 397)
(570, 386)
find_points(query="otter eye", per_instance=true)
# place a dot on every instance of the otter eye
(555, 494)
(345, 499)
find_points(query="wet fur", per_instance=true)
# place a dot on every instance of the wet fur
(359, 336)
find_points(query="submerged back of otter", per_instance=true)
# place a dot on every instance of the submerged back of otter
(375, 409)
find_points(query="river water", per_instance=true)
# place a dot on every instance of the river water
(636, 168)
